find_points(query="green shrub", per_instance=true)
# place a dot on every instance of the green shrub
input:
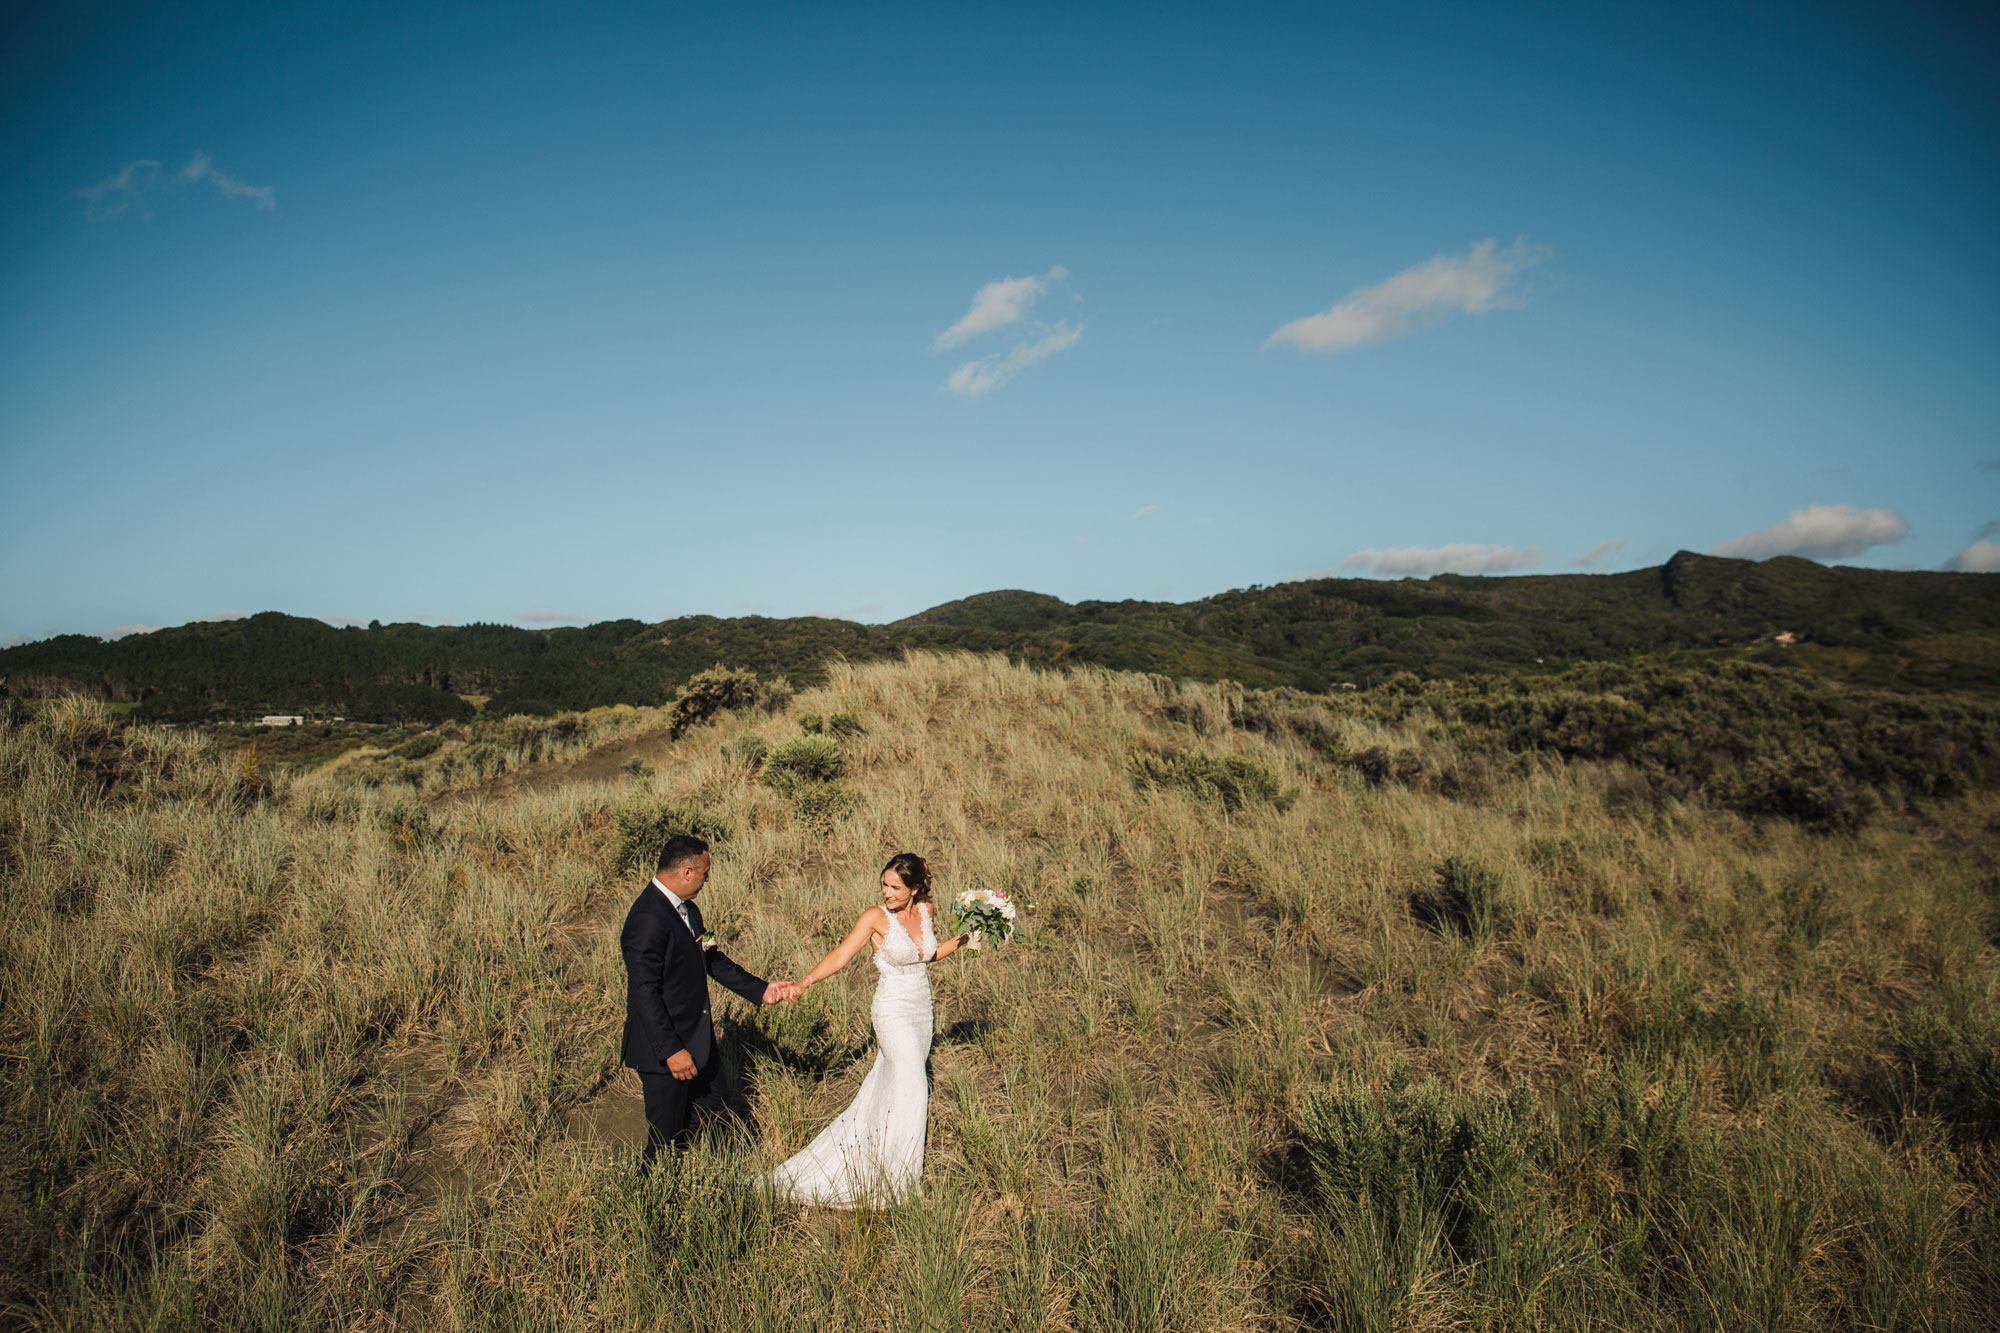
(1378, 765)
(1949, 1067)
(1406, 1171)
(419, 747)
(749, 751)
(1652, 1175)
(1465, 900)
(812, 723)
(1758, 740)
(716, 690)
(643, 828)
(820, 805)
(799, 762)
(1232, 779)
(844, 725)
(1807, 792)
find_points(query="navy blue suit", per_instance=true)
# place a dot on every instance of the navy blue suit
(666, 1010)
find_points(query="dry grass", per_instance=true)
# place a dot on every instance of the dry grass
(304, 1052)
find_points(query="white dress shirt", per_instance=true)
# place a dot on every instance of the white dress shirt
(680, 907)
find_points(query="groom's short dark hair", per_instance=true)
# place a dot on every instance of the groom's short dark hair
(681, 849)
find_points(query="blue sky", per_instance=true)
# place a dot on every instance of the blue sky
(556, 314)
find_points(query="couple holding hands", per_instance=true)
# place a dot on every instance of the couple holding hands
(873, 1153)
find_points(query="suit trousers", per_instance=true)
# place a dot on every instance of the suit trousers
(671, 1104)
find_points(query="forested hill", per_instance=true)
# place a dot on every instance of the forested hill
(1894, 629)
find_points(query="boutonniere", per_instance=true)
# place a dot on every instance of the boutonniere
(706, 940)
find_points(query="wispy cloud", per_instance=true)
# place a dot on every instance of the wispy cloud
(1455, 558)
(1819, 532)
(1981, 557)
(1142, 511)
(129, 190)
(996, 305)
(1596, 555)
(1000, 305)
(16, 640)
(126, 631)
(975, 379)
(124, 191)
(1482, 279)
(201, 169)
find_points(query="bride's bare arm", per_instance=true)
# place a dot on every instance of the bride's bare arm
(843, 953)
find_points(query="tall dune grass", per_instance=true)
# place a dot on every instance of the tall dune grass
(1331, 1052)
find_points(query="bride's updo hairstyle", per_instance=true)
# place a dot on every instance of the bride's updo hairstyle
(910, 868)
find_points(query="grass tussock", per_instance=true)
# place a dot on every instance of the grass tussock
(1349, 1050)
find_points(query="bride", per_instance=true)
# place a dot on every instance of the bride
(873, 1153)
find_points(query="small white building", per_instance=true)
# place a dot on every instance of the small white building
(281, 720)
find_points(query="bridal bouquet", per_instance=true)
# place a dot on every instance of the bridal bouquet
(986, 911)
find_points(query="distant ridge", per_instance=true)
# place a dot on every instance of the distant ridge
(1889, 629)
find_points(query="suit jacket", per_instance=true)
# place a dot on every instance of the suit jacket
(666, 984)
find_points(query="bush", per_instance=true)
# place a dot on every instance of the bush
(1378, 765)
(1464, 901)
(1806, 792)
(419, 747)
(716, 690)
(812, 723)
(749, 751)
(799, 762)
(644, 828)
(844, 725)
(1405, 1171)
(821, 805)
(1947, 1067)
(1232, 779)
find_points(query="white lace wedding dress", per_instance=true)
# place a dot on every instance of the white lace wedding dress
(873, 1154)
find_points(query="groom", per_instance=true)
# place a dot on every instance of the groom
(669, 1039)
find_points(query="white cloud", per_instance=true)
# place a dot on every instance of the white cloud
(201, 169)
(1142, 511)
(130, 188)
(16, 640)
(1455, 558)
(1482, 279)
(1596, 555)
(1819, 532)
(1978, 558)
(997, 305)
(977, 378)
(125, 631)
(122, 192)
